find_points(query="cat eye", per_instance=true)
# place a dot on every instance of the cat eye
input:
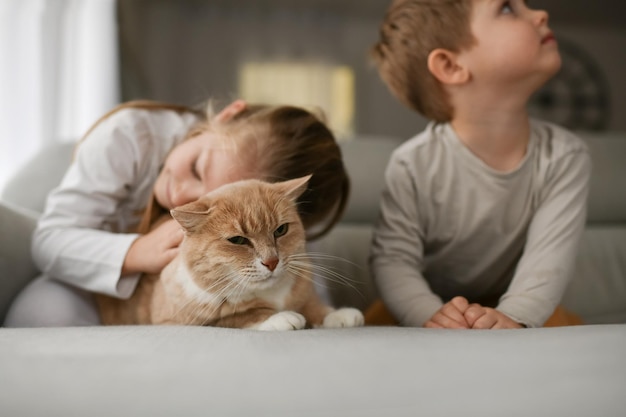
(238, 240)
(282, 229)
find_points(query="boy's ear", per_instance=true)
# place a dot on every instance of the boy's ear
(444, 65)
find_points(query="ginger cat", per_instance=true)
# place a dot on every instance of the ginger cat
(242, 264)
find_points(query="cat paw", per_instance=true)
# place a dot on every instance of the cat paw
(285, 320)
(344, 317)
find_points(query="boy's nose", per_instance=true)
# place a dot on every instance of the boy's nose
(540, 17)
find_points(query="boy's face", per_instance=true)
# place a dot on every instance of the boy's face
(513, 44)
(197, 166)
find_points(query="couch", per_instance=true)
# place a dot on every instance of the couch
(370, 371)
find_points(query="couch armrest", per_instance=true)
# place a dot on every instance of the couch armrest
(30, 185)
(16, 265)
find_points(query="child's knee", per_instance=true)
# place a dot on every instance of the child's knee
(48, 303)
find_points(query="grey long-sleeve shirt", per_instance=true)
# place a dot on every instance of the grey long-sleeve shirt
(451, 225)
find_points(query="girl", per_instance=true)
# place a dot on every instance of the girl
(169, 156)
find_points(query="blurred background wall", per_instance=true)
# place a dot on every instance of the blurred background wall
(65, 62)
(187, 50)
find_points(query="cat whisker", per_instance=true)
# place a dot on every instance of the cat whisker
(326, 273)
(307, 276)
(207, 290)
(207, 312)
(201, 309)
(325, 256)
(325, 268)
(180, 308)
(183, 307)
(241, 286)
(332, 276)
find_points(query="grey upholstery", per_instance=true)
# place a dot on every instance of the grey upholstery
(374, 371)
(368, 372)
(16, 267)
(607, 195)
(30, 185)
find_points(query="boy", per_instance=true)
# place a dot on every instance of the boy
(483, 211)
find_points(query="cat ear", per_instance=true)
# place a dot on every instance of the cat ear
(294, 188)
(191, 215)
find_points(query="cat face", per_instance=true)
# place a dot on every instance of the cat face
(240, 237)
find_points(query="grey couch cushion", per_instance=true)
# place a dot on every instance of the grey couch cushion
(366, 158)
(598, 288)
(607, 193)
(196, 371)
(342, 273)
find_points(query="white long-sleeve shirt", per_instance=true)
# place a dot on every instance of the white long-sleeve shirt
(450, 225)
(109, 181)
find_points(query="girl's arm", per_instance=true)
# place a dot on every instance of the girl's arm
(110, 179)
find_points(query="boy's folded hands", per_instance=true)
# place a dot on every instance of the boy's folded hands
(450, 316)
(459, 314)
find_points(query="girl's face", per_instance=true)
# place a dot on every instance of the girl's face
(199, 165)
(514, 45)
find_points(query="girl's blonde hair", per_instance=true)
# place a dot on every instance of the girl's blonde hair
(411, 30)
(292, 143)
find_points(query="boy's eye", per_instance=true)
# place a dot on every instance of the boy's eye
(238, 240)
(282, 229)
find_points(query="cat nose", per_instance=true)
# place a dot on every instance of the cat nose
(270, 263)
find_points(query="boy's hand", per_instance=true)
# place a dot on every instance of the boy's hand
(479, 317)
(450, 316)
(151, 252)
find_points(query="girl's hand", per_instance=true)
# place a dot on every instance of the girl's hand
(479, 317)
(151, 252)
(450, 316)
(230, 111)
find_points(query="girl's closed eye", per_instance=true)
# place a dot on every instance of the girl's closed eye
(194, 170)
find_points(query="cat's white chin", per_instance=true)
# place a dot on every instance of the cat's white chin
(275, 291)
(262, 282)
(259, 285)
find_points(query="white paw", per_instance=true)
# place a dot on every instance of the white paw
(285, 320)
(344, 317)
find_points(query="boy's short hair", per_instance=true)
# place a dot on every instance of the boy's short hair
(411, 30)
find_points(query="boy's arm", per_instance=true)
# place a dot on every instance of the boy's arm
(552, 243)
(397, 250)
